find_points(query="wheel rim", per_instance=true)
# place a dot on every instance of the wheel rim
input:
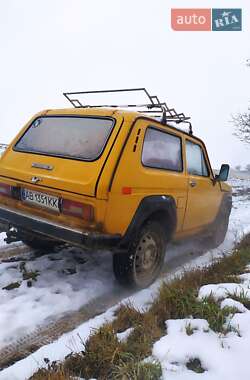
(147, 258)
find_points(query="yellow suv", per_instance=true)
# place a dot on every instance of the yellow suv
(126, 178)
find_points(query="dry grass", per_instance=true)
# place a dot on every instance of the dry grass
(104, 357)
(53, 374)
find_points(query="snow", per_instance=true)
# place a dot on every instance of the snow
(223, 357)
(66, 281)
(59, 349)
(229, 302)
(220, 291)
(2, 237)
(123, 336)
(57, 291)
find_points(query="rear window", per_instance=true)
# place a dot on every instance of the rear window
(82, 138)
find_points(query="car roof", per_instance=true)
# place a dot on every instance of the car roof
(114, 112)
(98, 111)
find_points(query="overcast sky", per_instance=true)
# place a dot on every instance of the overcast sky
(51, 46)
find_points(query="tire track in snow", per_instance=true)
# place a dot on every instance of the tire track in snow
(9, 251)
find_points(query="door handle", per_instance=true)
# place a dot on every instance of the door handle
(192, 183)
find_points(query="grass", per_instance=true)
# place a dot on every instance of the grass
(53, 374)
(104, 357)
(241, 297)
(12, 285)
(135, 369)
(195, 365)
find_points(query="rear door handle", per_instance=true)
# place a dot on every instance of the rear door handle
(192, 183)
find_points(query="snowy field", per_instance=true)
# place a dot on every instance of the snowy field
(68, 279)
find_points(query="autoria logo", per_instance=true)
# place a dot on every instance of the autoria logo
(227, 19)
(183, 19)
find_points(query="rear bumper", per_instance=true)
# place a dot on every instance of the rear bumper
(85, 239)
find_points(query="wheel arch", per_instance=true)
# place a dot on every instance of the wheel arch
(160, 208)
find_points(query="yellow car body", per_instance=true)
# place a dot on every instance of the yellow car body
(112, 187)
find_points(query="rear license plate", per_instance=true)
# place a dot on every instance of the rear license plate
(40, 199)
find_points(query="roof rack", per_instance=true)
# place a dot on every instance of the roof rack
(154, 107)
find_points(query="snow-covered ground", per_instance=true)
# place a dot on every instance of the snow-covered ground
(65, 281)
(222, 357)
(69, 279)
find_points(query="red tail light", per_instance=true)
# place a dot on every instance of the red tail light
(78, 210)
(5, 190)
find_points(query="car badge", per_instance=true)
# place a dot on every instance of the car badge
(42, 166)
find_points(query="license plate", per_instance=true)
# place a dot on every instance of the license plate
(40, 199)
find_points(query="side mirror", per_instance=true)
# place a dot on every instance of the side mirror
(224, 172)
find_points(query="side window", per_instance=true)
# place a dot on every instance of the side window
(162, 150)
(196, 163)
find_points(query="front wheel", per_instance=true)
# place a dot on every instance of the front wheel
(140, 265)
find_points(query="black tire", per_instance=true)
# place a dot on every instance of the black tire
(141, 264)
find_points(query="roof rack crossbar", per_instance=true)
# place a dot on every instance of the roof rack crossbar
(154, 106)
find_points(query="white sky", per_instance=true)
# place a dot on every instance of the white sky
(51, 46)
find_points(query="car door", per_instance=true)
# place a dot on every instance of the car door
(204, 194)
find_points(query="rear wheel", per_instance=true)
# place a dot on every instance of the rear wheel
(140, 265)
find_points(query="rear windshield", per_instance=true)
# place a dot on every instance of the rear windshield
(82, 138)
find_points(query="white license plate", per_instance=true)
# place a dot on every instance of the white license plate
(40, 199)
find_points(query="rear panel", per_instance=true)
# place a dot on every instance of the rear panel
(64, 174)
(68, 183)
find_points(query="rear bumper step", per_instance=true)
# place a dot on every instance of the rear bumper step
(85, 239)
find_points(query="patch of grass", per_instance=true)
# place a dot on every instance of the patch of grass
(139, 342)
(53, 372)
(13, 285)
(101, 351)
(28, 275)
(126, 316)
(195, 365)
(241, 297)
(104, 357)
(189, 329)
(132, 369)
(31, 275)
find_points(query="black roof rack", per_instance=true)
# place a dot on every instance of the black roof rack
(153, 107)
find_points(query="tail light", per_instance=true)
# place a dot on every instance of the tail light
(5, 190)
(78, 210)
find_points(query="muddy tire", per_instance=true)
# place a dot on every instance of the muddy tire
(141, 264)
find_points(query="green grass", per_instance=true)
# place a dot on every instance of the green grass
(241, 297)
(195, 365)
(12, 285)
(104, 357)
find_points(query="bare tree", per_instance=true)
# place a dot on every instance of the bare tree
(241, 122)
(242, 126)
